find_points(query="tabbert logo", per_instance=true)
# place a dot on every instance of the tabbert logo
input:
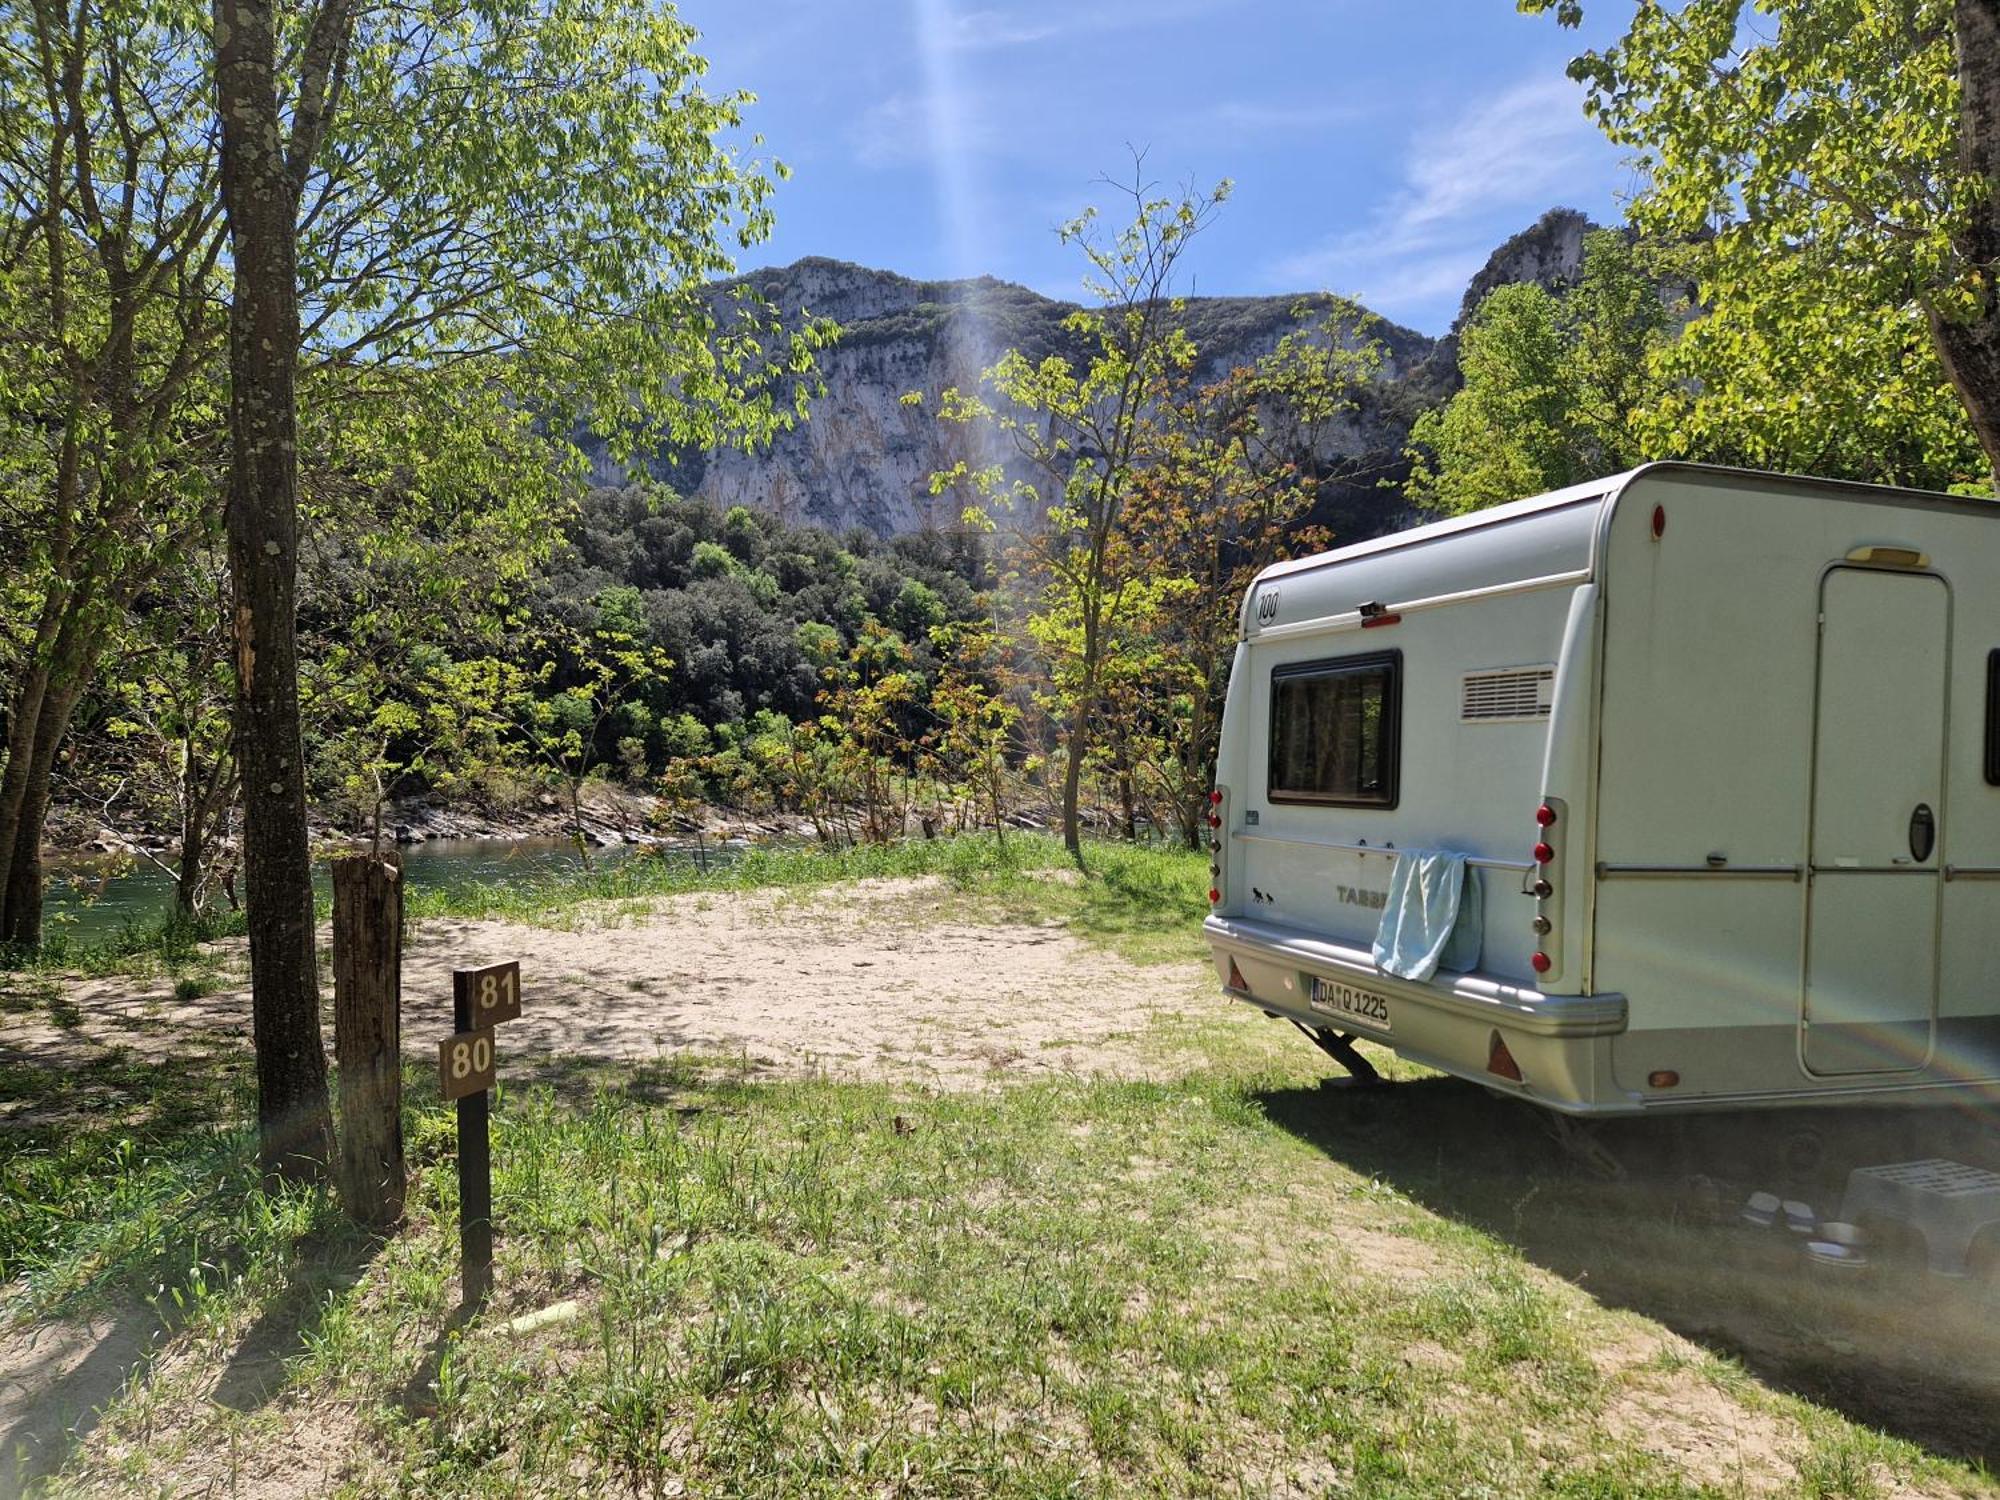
(1354, 895)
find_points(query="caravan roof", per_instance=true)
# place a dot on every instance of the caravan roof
(1541, 544)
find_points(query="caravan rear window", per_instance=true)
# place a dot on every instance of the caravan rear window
(1335, 735)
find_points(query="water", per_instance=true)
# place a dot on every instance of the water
(93, 900)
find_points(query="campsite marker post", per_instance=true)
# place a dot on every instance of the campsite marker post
(480, 1000)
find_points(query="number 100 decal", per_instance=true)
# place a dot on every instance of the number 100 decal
(465, 1063)
(492, 994)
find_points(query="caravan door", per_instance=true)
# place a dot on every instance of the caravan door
(1873, 881)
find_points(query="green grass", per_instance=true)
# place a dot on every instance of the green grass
(642, 877)
(1069, 1288)
(169, 942)
(1227, 1282)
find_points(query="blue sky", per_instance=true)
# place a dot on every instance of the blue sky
(1380, 148)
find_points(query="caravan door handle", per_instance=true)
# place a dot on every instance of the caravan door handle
(1923, 832)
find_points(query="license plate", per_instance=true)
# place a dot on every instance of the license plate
(1330, 997)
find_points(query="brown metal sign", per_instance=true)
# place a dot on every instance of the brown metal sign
(490, 995)
(465, 1063)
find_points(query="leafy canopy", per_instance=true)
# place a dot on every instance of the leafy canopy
(1812, 148)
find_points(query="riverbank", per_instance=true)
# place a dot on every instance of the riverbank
(610, 814)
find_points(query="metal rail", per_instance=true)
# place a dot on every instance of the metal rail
(1478, 862)
(1709, 872)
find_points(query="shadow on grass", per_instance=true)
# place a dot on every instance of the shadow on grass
(324, 1268)
(1891, 1347)
(55, 1379)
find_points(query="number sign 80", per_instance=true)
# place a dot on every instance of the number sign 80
(465, 1063)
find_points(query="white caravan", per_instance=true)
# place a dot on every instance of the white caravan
(1723, 749)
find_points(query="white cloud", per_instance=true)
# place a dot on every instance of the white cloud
(1253, 117)
(982, 30)
(1514, 154)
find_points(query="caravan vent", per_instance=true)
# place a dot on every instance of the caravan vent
(1516, 694)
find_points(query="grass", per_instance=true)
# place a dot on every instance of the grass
(641, 876)
(824, 1289)
(816, 1288)
(1229, 1281)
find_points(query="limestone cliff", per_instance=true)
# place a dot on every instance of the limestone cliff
(864, 458)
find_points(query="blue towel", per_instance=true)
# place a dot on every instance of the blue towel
(1433, 917)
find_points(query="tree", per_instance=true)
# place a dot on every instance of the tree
(109, 390)
(1554, 383)
(533, 189)
(1846, 151)
(263, 173)
(565, 687)
(974, 718)
(170, 716)
(1076, 432)
(1233, 473)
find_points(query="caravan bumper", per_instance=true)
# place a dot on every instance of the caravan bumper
(1560, 1042)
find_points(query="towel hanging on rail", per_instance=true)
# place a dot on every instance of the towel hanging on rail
(1433, 917)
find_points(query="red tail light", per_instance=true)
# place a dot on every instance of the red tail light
(1545, 815)
(1215, 798)
(1214, 896)
(1544, 853)
(1541, 963)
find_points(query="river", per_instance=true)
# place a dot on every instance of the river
(90, 901)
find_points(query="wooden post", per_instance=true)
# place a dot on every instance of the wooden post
(475, 1165)
(368, 1035)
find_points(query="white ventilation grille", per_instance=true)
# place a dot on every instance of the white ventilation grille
(1513, 696)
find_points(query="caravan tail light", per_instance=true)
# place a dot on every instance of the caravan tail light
(1214, 896)
(1547, 872)
(1215, 797)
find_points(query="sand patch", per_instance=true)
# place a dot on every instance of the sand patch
(881, 979)
(54, 1379)
(1707, 1436)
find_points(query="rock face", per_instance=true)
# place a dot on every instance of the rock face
(1548, 252)
(865, 457)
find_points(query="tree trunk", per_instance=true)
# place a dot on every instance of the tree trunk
(367, 1036)
(294, 1120)
(1079, 742)
(1970, 349)
(187, 877)
(23, 918)
(24, 714)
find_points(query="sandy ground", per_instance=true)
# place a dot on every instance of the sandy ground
(882, 979)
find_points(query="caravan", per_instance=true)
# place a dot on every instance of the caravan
(1719, 751)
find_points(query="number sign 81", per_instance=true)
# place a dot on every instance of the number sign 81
(488, 995)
